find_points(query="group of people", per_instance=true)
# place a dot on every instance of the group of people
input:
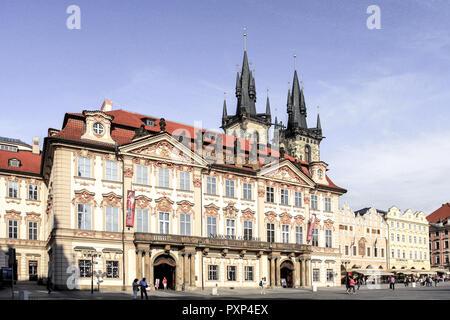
(351, 282)
(143, 287)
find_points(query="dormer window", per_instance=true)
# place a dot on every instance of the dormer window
(98, 128)
(320, 173)
(14, 163)
(149, 122)
(8, 148)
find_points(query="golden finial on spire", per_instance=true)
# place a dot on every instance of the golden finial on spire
(295, 61)
(245, 38)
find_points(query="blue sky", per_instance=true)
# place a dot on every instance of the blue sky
(383, 94)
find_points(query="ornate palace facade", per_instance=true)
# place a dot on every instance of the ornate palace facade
(210, 208)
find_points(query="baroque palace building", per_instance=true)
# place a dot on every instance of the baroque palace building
(209, 208)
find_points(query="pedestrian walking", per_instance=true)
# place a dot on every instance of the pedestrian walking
(359, 282)
(436, 281)
(49, 285)
(392, 283)
(156, 283)
(347, 282)
(406, 281)
(262, 284)
(352, 286)
(135, 288)
(143, 287)
(165, 283)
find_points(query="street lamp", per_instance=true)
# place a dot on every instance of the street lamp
(92, 255)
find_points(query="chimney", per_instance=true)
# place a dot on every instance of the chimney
(36, 146)
(107, 105)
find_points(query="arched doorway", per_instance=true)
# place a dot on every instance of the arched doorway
(164, 266)
(286, 273)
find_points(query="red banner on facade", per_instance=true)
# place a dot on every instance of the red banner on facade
(311, 225)
(130, 208)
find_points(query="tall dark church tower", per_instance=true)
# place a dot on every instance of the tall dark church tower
(297, 139)
(247, 123)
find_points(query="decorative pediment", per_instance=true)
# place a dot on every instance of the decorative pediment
(212, 210)
(328, 224)
(164, 204)
(33, 216)
(185, 206)
(270, 217)
(288, 172)
(84, 196)
(111, 199)
(285, 218)
(230, 211)
(12, 215)
(142, 202)
(299, 220)
(162, 147)
(248, 214)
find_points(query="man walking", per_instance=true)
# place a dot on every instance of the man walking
(143, 286)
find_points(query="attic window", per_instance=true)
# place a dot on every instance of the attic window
(14, 163)
(8, 148)
(149, 122)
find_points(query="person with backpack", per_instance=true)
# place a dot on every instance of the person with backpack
(262, 284)
(135, 288)
(143, 287)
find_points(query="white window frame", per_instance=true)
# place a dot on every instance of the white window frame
(211, 226)
(84, 216)
(111, 219)
(247, 191)
(298, 199)
(141, 174)
(211, 187)
(284, 197)
(185, 181)
(141, 220)
(84, 167)
(111, 170)
(185, 224)
(229, 188)
(163, 178)
(164, 222)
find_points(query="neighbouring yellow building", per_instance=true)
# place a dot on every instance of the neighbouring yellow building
(409, 251)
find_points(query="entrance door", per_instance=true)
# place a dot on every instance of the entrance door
(164, 266)
(286, 274)
(32, 270)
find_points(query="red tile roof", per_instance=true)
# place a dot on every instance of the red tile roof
(125, 123)
(29, 162)
(441, 213)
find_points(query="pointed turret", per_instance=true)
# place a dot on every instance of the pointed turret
(245, 90)
(297, 106)
(319, 126)
(268, 114)
(224, 114)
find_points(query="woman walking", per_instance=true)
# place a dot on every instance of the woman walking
(165, 283)
(135, 288)
(157, 284)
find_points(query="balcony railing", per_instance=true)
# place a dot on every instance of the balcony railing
(220, 242)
